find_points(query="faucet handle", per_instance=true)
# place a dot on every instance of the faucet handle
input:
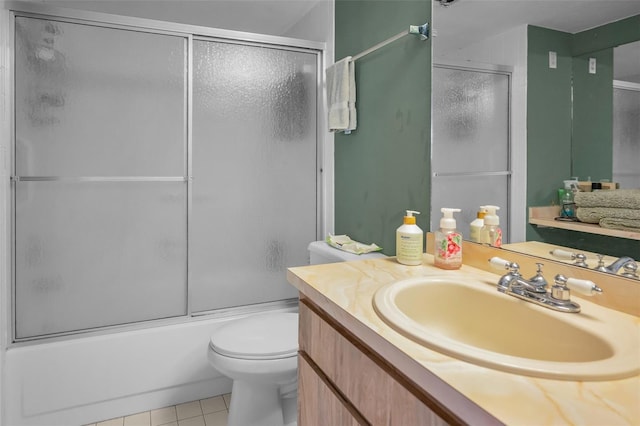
(500, 263)
(538, 279)
(580, 259)
(600, 266)
(630, 270)
(584, 287)
(562, 286)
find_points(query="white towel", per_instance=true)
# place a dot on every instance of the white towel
(341, 96)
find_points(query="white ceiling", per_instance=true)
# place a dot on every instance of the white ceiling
(456, 26)
(465, 22)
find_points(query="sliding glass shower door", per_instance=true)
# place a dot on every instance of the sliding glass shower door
(626, 134)
(156, 174)
(470, 159)
(255, 173)
(100, 177)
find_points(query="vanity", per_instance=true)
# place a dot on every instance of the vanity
(355, 367)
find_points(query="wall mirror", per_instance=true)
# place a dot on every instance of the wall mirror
(461, 27)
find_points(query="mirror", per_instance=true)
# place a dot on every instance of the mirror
(477, 31)
(606, 108)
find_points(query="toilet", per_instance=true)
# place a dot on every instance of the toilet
(260, 354)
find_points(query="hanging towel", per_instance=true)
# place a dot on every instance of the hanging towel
(341, 96)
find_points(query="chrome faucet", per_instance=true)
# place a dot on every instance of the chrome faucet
(535, 289)
(626, 263)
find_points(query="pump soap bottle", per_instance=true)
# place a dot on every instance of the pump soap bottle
(491, 232)
(448, 242)
(475, 227)
(409, 241)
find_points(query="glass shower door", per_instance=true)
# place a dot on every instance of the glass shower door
(626, 134)
(100, 177)
(470, 144)
(255, 172)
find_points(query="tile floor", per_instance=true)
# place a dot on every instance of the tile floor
(205, 412)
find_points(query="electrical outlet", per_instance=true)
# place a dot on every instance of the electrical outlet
(592, 65)
(553, 59)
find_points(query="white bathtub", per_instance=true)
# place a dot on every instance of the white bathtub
(82, 380)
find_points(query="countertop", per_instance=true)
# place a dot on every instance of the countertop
(345, 291)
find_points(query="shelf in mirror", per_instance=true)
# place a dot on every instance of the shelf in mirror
(545, 217)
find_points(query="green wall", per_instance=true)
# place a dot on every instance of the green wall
(548, 117)
(556, 149)
(592, 139)
(383, 167)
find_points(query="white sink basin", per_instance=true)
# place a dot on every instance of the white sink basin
(470, 320)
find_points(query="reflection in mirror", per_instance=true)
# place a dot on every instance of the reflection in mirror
(626, 115)
(495, 32)
(622, 266)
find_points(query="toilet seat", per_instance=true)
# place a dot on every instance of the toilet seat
(258, 337)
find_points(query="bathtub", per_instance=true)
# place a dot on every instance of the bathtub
(80, 380)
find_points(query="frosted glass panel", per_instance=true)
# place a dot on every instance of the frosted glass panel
(91, 254)
(470, 121)
(470, 145)
(254, 167)
(93, 101)
(478, 191)
(626, 137)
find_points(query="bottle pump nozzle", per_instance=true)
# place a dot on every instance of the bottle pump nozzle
(447, 221)
(409, 219)
(491, 218)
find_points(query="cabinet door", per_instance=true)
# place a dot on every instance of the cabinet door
(374, 390)
(319, 403)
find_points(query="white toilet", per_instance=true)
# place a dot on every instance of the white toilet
(260, 354)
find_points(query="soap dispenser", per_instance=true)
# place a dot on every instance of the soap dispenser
(448, 242)
(409, 238)
(476, 225)
(491, 232)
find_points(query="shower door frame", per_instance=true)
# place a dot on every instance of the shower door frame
(190, 32)
(632, 87)
(514, 177)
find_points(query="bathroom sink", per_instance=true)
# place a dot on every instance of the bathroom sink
(468, 319)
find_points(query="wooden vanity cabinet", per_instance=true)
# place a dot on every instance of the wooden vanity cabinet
(343, 382)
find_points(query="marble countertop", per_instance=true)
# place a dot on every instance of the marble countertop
(345, 291)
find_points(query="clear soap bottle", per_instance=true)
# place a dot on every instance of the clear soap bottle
(409, 239)
(448, 242)
(475, 227)
(491, 232)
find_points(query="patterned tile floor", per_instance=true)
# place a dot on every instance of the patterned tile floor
(205, 412)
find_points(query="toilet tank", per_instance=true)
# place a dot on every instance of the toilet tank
(321, 252)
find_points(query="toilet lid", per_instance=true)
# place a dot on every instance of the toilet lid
(261, 336)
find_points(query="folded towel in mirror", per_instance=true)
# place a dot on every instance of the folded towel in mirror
(596, 214)
(622, 224)
(617, 198)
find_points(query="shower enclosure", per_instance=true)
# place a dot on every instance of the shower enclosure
(157, 174)
(158, 179)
